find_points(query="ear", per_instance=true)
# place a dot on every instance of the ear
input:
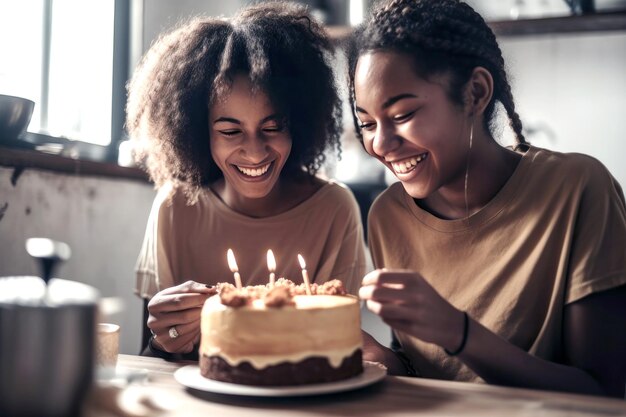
(479, 91)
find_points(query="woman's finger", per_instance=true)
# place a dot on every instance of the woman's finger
(189, 329)
(175, 302)
(163, 320)
(389, 277)
(182, 329)
(189, 287)
(187, 348)
(186, 334)
(385, 294)
(401, 325)
(388, 311)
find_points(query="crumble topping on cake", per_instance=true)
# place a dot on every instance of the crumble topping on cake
(281, 294)
(278, 297)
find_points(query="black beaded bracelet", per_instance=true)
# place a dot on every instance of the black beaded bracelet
(465, 331)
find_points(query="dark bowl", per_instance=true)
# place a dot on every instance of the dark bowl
(15, 114)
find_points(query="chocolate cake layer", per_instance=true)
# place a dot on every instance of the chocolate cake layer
(309, 371)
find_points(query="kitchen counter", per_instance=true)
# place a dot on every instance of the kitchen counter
(152, 390)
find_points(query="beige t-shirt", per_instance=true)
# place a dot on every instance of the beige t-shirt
(189, 242)
(555, 233)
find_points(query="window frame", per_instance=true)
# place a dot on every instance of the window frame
(78, 149)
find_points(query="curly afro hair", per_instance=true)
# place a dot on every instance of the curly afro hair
(284, 52)
(443, 37)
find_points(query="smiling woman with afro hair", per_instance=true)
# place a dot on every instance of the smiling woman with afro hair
(232, 119)
(283, 51)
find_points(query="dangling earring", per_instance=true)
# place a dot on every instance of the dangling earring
(469, 152)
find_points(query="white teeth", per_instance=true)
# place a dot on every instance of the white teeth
(255, 172)
(407, 165)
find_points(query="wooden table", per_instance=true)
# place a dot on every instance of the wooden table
(156, 393)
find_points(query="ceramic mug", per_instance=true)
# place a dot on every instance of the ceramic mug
(107, 344)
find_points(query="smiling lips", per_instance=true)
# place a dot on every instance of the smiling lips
(407, 165)
(254, 172)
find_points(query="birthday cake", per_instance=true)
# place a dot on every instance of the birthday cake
(279, 335)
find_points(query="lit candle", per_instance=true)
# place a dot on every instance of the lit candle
(271, 265)
(232, 264)
(305, 275)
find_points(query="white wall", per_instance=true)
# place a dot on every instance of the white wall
(575, 86)
(103, 221)
(160, 15)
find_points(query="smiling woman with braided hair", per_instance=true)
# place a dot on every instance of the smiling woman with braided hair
(500, 265)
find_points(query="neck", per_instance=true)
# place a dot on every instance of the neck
(285, 195)
(490, 167)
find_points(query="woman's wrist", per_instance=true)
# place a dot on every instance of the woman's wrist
(156, 350)
(460, 346)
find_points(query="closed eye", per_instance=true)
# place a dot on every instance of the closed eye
(369, 126)
(273, 129)
(229, 132)
(404, 117)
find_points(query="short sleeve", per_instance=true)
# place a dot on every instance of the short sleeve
(598, 259)
(153, 271)
(351, 262)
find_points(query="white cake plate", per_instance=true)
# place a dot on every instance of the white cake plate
(190, 377)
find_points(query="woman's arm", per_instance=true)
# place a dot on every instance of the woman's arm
(594, 342)
(594, 339)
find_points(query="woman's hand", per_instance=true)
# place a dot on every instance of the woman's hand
(178, 308)
(406, 302)
(375, 352)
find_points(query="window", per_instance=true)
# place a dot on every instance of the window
(66, 56)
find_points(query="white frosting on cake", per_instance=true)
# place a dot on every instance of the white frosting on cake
(318, 325)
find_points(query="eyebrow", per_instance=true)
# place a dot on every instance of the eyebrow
(389, 102)
(238, 122)
(226, 119)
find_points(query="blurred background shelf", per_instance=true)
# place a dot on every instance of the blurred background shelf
(595, 22)
(21, 159)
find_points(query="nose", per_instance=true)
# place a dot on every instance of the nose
(385, 139)
(256, 149)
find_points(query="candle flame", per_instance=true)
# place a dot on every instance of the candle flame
(271, 261)
(301, 260)
(232, 263)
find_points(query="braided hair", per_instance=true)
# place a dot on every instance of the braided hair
(443, 37)
(284, 52)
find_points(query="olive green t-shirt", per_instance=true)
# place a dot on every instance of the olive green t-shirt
(555, 233)
(189, 242)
